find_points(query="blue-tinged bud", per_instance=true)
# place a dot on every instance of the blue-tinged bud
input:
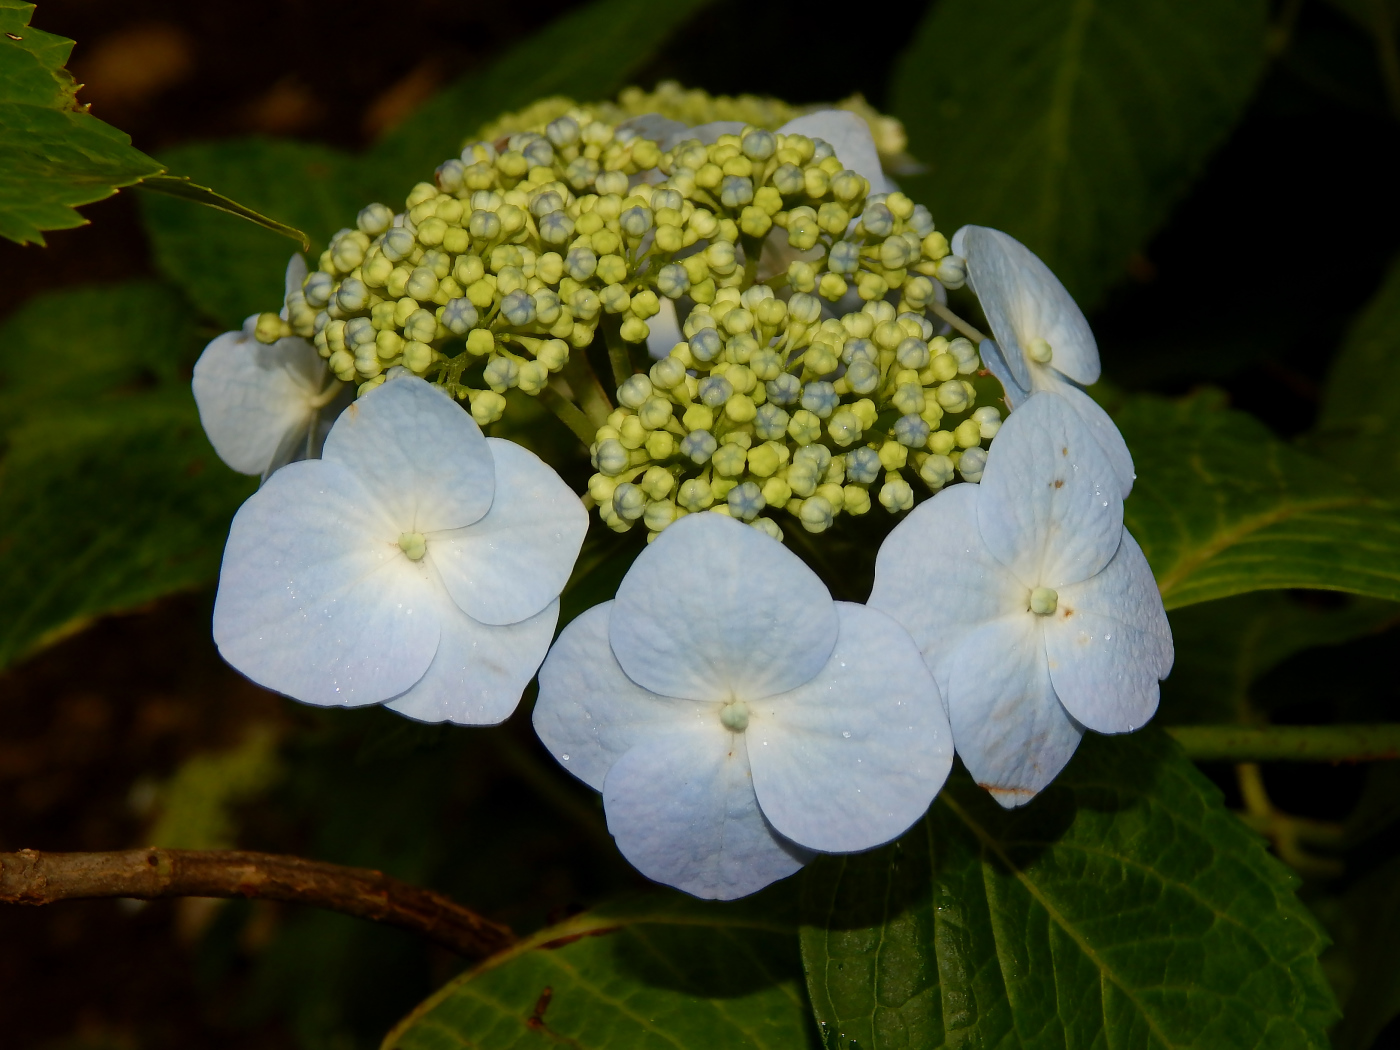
(353, 296)
(896, 495)
(862, 465)
(518, 308)
(759, 144)
(398, 243)
(668, 373)
(878, 220)
(539, 153)
(698, 446)
(770, 422)
(912, 353)
(911, 431)
(844, 257)
(581, 173)
(541, 204)
(581, 263)
(629, 501)
(449, 175)
(921, 222)
(317, 288)
(735, 191)
(788, 180)
(420, 326)
(635, 221)
(484, 225)
(634, 392)
(671, 199)
(816, 514)
(784, 390)
(925, 325)
(374, 219)
(972, 463)
(863, 377)
(820, 398)
(715, 390)
(963, 352)
(746, 501)
(705, 345)
(556, 228)
(360, 330)
(672, 281)
(501, 374)
(611, 182)
(951, 271)
(562, 132)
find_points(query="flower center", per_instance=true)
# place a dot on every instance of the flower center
(1038, 350)
(1044, 601)
(734, 716)
(415, 546)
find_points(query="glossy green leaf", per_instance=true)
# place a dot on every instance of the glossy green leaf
(1223, 647)
(1070, 124)
(1222, 507)
(658, 972)
(183, 187)
(587, 54)
(53, 154)
(110, 496)
(230, 268)
(1360, 419)
(1125, 907)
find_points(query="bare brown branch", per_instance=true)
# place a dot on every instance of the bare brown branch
(31, 877)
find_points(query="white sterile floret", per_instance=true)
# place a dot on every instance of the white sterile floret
(417, 564)
(1043, 341)
(1033, 605)
(735, 717)
(263, 405)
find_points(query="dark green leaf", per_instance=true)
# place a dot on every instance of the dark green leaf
(1070, 124)
(1222, 507)
(1124, 907)
(1369, 935)
(230, 268)
(104, 509)
(1360, 419)
(659, 972)
(1223, 647)
(181, 186)
(110, 496)
(587, 54)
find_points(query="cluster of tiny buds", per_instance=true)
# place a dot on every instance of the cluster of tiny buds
(766, 407)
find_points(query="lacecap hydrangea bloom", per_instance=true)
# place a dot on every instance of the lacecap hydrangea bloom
(1043, 341)
(1034, 606)
(736, 718)
(265, 404)
(416, 564)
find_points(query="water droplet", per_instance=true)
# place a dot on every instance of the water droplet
(564, 757)
(847, 734)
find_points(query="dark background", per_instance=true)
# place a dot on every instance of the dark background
(1250, 286)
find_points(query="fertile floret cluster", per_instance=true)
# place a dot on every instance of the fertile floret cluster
(499, 273)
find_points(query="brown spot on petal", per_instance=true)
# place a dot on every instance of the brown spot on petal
(1059, 483)
(1067, 612)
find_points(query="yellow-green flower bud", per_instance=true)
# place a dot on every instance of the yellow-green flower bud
(968, 433)
(896, 495)
(698, 417)
(480, 342)
(893, 455)
(855, 499)
(695, 495)
(816, 514)
(936, 471)
(487, 407)
(660, 445)
(805, 427)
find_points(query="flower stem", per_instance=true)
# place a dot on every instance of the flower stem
(957, 322)
(618, 355)
(584, 384)
(1340, 743)
(31, 877)
(570, 414)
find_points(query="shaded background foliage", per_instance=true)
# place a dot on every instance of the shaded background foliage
(1232, 245)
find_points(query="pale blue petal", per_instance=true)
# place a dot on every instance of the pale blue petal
(480, 671)
(714, 609)
(589, 713)
(1050, 507)
(849, 135)
(1102, 427)
(1010, 729)
(316, 600)
(709, 133)
(936, 577)
(681, 806)
(996, 363)
(419, 452)
(852, 758)
(664, 330)
(1109, 643)
(513, 562)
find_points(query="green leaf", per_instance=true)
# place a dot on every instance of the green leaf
(1360, 419)
(230, 268)
(53, 154)
(1222, 507)
(110, 496)
(1370, 938)
(1224, 647)
(1070, 124)
(181, 186)
(1124, 907)
(587, 54)
(662, 971)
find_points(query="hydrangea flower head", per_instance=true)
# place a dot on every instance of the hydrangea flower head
(1033, 605)
(265, 404)
(417, 564)
(1043, 341)
(736, 718)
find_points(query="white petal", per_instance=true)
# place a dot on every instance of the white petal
(938, 579)
(714, 609)
(315, 601)
(654, 126)
(664, 331)
(1050, 509)
(682, 809)
(513, 562)
(294, 278)
(1023, 300)
(849, 135)
(1010, 729)
(419, 452)
(707, 133)
(852, 758)
(589, 713)
(255, 398)
(996, 363)
(1102, 427)
(480, 671)
(1109, 643)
